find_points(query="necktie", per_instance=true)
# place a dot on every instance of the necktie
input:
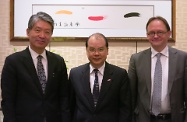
(96, 88)
(156, 98)
(41, 73)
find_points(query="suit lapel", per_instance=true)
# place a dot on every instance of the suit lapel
(51, 65)
(171, 68)
(85, 81)
(147, 67)
(106, 82)
(28, 62)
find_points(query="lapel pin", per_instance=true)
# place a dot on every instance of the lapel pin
(109, 80)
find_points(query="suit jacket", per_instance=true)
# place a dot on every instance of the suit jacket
(22, 97)
(140, 81)
(114, 100)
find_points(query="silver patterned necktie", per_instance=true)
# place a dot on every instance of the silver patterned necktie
(41, 73)
(96, 88)
(157, 90)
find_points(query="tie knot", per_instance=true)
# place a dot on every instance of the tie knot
(39, 57)
(96, 70)
(158, 55)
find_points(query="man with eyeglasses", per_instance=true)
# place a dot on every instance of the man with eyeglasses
(100, 91)
(158, 78)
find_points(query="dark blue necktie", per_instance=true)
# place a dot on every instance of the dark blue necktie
(96, 88)
(41, 73)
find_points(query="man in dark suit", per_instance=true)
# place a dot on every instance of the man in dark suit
(25, 96)
(144, 77)
(108, 99)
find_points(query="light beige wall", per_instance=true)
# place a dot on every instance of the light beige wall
(74, 52)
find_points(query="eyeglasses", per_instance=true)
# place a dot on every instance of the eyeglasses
(99, 50)
(159, 33)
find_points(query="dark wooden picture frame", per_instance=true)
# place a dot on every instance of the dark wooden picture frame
(22, 38)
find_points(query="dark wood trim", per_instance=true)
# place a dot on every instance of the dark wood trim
(59, 39)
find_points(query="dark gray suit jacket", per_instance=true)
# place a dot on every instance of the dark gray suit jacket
(114, 100)
(140, 80)
(22, 97)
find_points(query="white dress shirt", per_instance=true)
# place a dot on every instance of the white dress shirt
(165, 100)
(92, 76)
(34, 56)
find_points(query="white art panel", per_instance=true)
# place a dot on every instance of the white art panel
(81, 18)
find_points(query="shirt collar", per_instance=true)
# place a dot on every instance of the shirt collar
(101, 69)
(163, 52)
(35, 55)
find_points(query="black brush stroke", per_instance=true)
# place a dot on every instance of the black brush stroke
(132, 14)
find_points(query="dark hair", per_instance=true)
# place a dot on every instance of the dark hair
(40, 16)
(97, 36)
(161, 19)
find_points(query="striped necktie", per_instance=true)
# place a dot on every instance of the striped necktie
(96, 88)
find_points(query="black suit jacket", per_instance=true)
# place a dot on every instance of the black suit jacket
(22, 97)
(114, 99)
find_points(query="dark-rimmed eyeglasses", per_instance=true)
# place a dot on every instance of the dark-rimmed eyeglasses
(159, 33)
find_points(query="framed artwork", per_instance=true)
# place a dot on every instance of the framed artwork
(76, 20)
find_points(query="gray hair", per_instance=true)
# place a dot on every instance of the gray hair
(40, 16)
